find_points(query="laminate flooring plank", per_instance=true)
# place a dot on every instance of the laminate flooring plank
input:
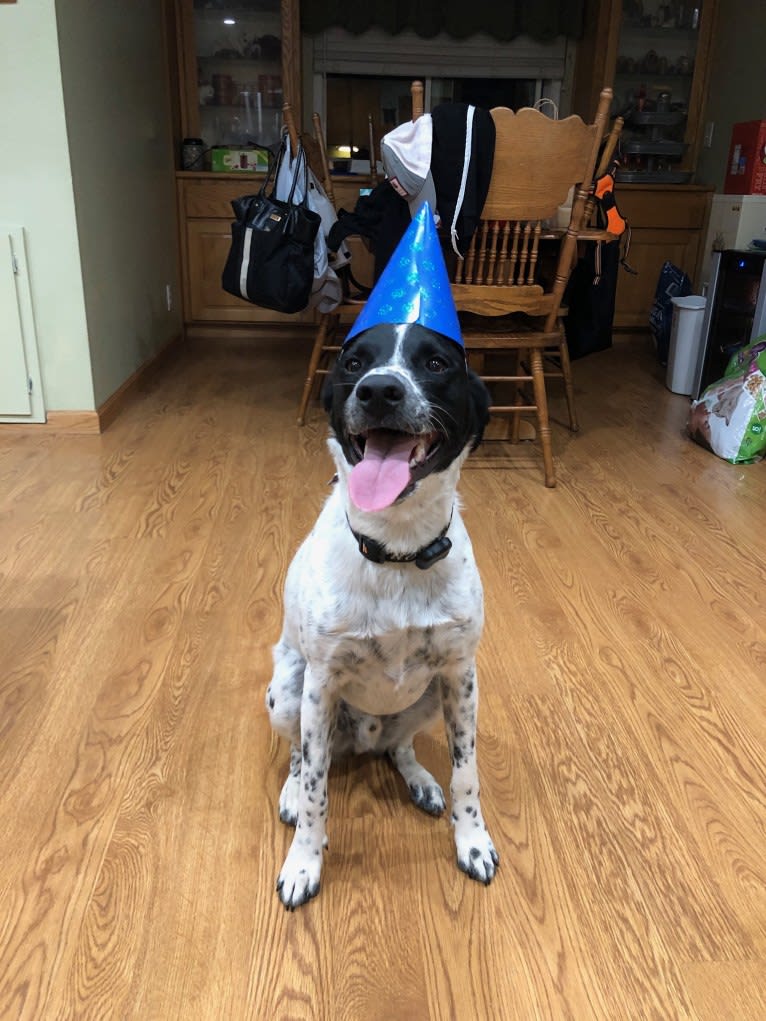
(621, 743)
(646, 679)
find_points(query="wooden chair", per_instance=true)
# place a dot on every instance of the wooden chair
(556, 362)
(510, 286)
(327, 343)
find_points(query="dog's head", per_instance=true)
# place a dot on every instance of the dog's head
(402, 405)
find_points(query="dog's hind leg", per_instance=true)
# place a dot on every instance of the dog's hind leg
(424, 790)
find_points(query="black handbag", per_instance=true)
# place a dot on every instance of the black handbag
(271, 259)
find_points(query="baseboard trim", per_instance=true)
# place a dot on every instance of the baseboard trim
(90, 423)
(72, 422)
(113, 406)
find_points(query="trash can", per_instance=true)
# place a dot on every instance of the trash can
(685, 338)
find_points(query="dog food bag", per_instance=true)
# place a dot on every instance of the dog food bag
(730, 416)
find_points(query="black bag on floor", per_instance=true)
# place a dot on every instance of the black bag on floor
(271, 259)
(590, 298)
(672, 283)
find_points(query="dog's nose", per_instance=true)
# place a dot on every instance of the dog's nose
(380, 393)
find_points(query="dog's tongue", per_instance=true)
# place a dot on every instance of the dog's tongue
(378, 480)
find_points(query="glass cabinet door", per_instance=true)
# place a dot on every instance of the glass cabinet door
(238, 69)
(654, 86)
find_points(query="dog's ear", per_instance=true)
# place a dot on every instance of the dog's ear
(479, 400)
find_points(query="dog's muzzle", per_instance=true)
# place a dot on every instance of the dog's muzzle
(391, 439)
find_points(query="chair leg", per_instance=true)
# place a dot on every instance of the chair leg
(316, 353)
(566, 370)
(538, 381)
(518, 399)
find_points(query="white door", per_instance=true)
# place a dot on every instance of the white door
(21, 398)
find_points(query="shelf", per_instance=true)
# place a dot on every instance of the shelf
(649, 148)
(240, 61)
(240, 106)
(643, 76)
(653, 118)
(237, 11)
(657, 32)
(653, 176)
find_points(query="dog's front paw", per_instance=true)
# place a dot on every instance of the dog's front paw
(476, 855)
(299, 879)
(428, 797)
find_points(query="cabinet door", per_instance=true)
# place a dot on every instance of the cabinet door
(239, 65)
(649, 249)
(207, 247)
(656, 56)
(666, 224)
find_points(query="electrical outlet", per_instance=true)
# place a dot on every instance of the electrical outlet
(169, 297)
(709, 128)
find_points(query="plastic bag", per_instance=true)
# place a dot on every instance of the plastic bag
(730, 416)
(673, 283)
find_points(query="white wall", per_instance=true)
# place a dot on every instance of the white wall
(737, 89)
(36, 192)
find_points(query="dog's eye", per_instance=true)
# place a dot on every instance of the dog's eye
(352, 365)
(435, 364)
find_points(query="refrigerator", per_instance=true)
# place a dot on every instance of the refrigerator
(735, 221)
(735, 312)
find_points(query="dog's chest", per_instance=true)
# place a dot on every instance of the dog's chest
(386, 672)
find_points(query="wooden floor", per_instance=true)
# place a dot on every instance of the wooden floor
(622, 726)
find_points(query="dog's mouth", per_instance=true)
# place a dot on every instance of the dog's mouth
(387, 464)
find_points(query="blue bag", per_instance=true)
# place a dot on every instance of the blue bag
(673, 283)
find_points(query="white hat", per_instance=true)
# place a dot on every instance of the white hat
(406, 156)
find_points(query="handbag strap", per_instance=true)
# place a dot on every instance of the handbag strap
(300, 159)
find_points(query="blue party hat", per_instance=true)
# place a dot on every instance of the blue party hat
(414, 287)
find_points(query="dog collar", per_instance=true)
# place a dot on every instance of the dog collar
(423, 558)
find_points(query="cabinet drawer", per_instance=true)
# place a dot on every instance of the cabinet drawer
(206, 199)
(212, 199)
(671, 210)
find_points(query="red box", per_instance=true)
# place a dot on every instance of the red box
(746, 166)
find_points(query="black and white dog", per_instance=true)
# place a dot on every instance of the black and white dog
(383, 601)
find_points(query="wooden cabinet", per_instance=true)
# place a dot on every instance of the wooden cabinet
(205, 215)
(237, 62)
(666, 223)
(656, 57)
(649, 53)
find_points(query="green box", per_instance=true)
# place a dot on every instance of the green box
(247, 160)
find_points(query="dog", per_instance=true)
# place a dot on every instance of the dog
(383, 600)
